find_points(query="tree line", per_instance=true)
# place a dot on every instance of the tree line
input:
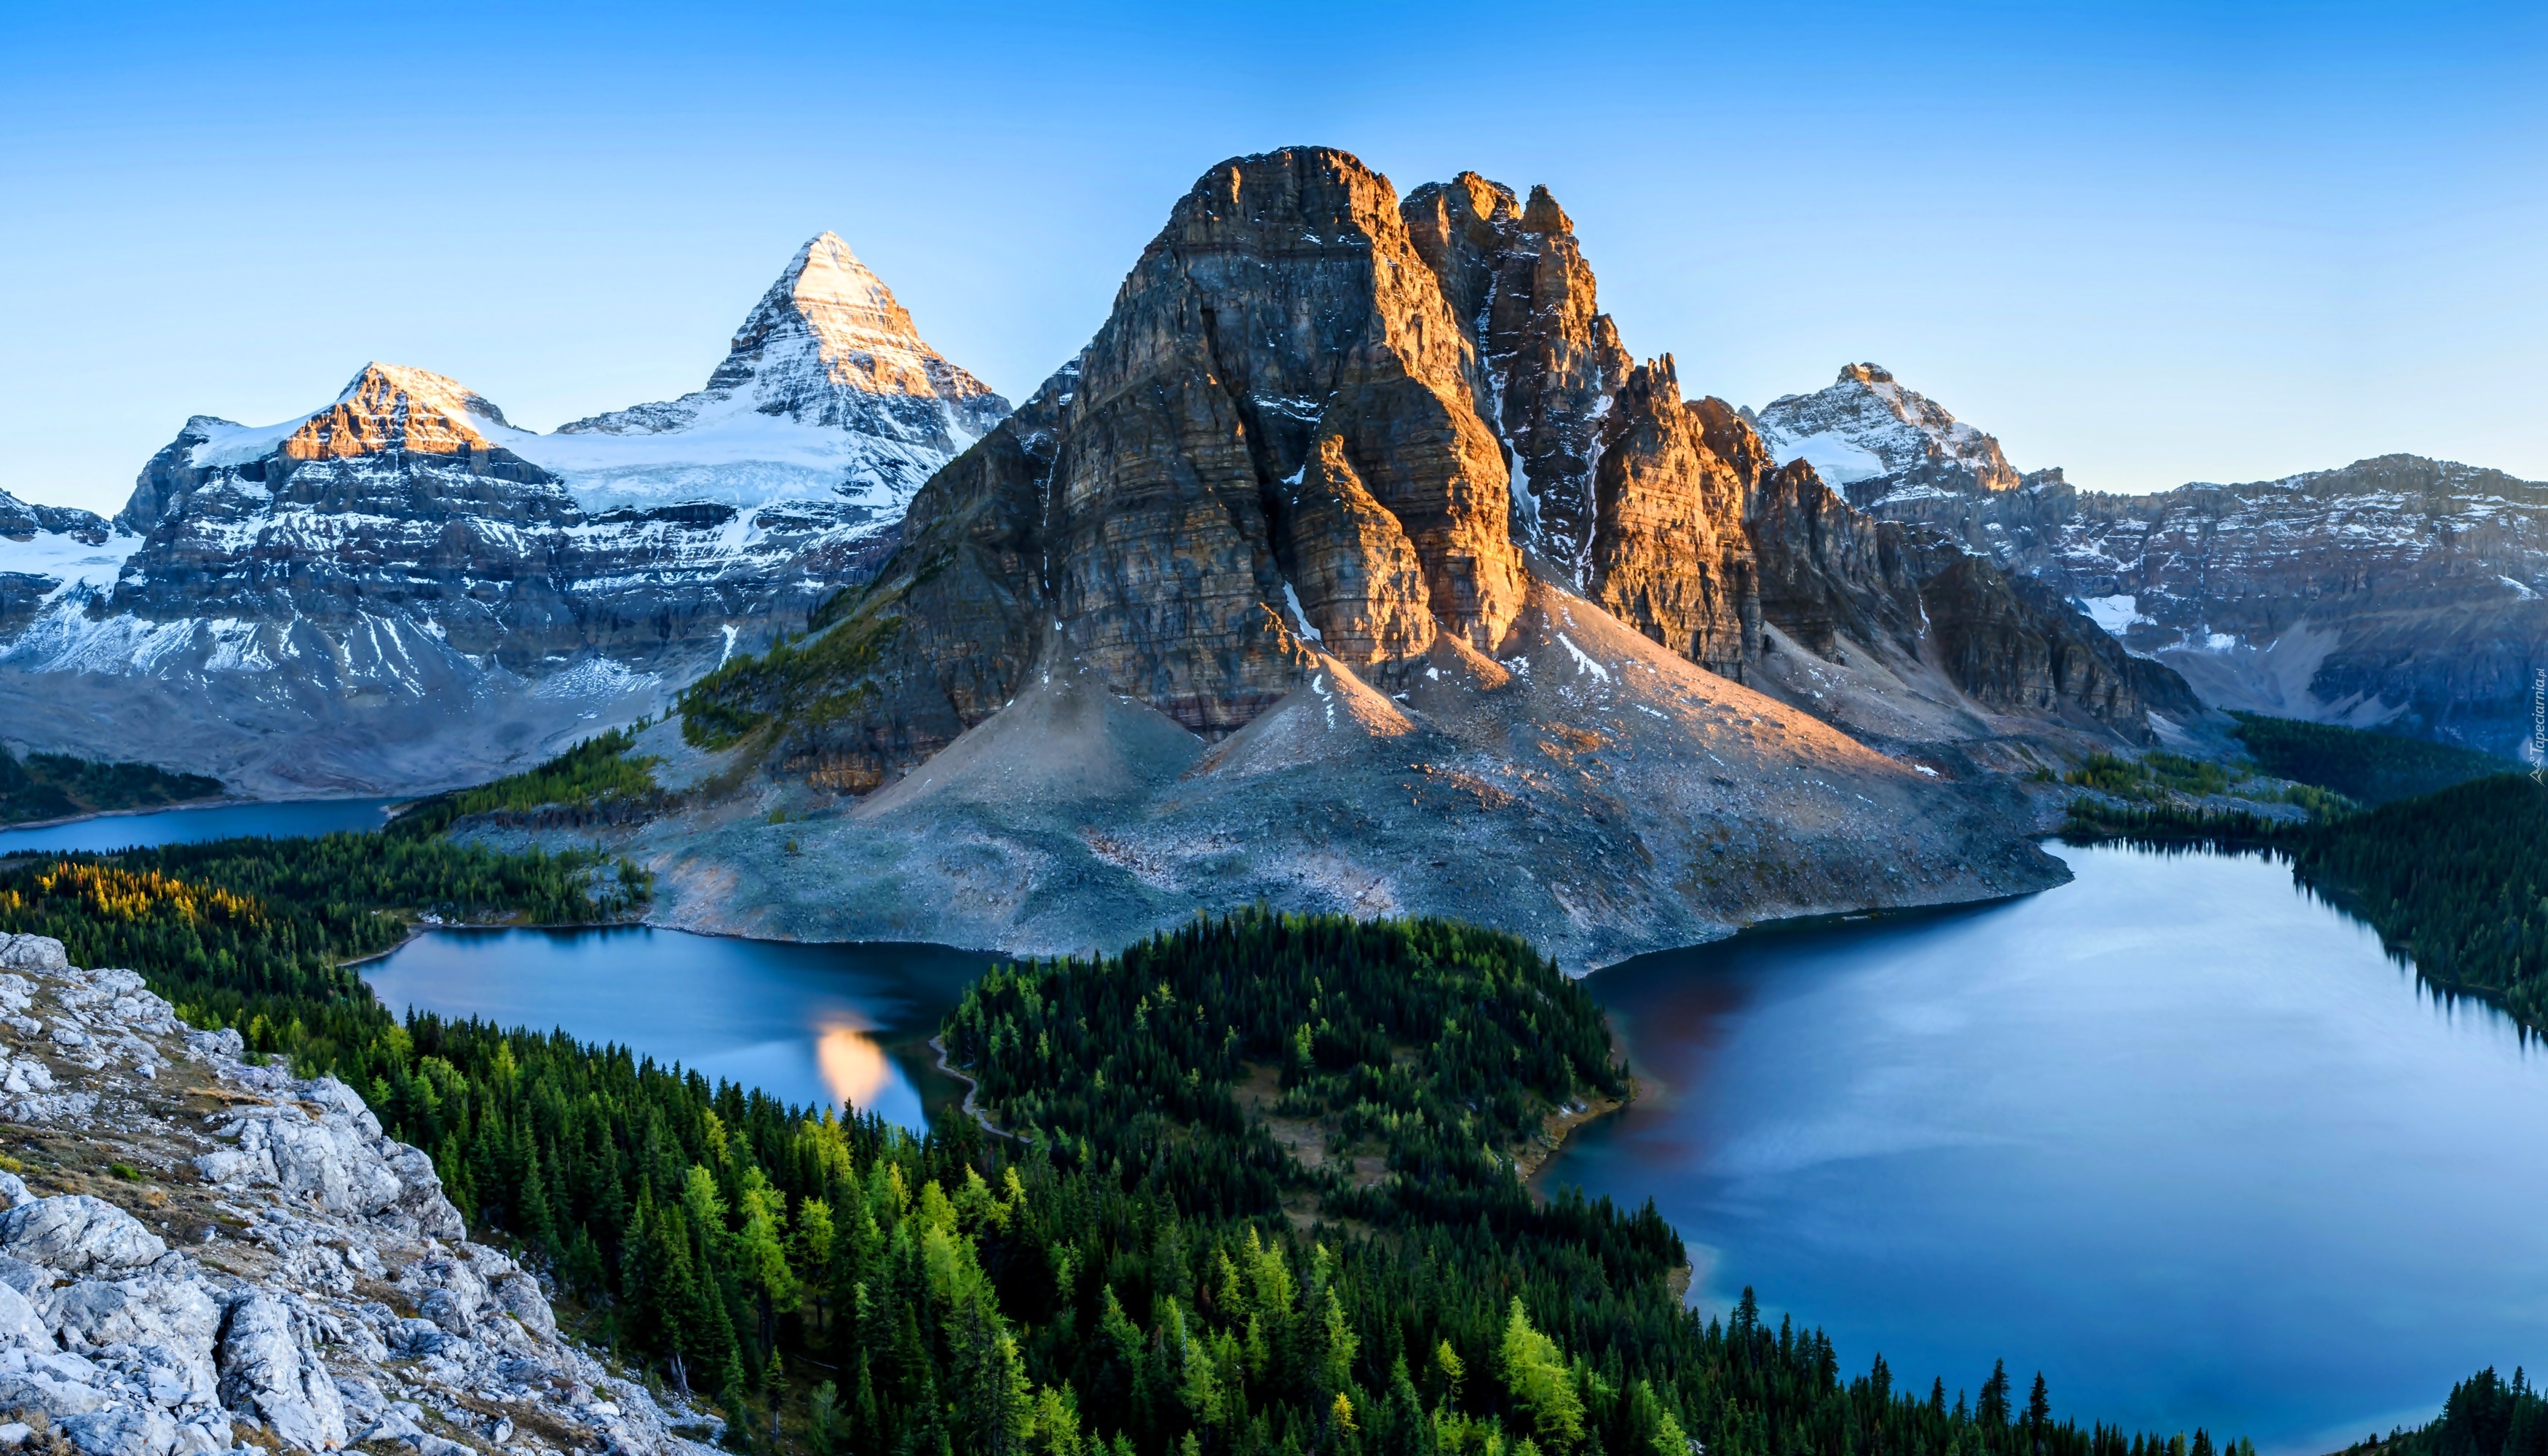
(2457, 880)
(59, 785)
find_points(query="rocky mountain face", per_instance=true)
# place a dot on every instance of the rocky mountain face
(243, 1295)
(1879, 441)
(1298, 435)
(402, 590)
(44, 549)
(1349, 500)
(2396, 591)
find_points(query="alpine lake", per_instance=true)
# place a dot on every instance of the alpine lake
(2176, 1133)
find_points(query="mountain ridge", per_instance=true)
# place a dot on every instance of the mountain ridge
(1252, 571)
(401, 591)
(2394, 591)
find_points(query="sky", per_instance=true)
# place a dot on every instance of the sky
(2147, 243)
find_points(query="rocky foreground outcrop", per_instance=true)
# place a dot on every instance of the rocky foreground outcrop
(281, 1275)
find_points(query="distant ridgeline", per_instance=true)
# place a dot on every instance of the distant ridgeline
(57, 787)
(1261, 1194)
(2455, 877)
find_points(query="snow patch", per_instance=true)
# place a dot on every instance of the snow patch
(2114, 614)
(595, 678)
(1300, 618)
(1583, 660)
(68, 560)
(1835, 459)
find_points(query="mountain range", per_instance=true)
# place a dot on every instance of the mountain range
(1353, 564)
(2395, 592)
(400, 589)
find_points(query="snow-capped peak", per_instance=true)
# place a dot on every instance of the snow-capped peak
(1868, 431)
(385, 406)
(379, 386)
(827, 345)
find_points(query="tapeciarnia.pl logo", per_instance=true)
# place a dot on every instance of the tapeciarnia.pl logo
(2539, 726)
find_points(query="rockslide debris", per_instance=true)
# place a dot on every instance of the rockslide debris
(287, 1277)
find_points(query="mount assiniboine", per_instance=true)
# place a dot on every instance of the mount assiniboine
(401, 590)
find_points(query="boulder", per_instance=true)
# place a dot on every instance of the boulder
(520, 1295)
(52, 1381)
(34, 952)
(446, 1311)
(268, 1369)
(76, 1233)
(338, 1159)
(122, 1431)
(162, 1310)
(20, 1324)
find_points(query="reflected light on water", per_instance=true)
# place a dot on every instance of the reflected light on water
(853, 1066)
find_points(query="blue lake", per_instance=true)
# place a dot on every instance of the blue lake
(815, 1025)
(2176, 1133)
(189, 826)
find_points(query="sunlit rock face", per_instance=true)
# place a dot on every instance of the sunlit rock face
(1879, 442)
(1326, 422)
(403, 589)
(1516, 280)
(1670, 554)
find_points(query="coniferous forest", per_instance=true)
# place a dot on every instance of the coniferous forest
(58, 786)
(1248, 1187)
(2457, 880)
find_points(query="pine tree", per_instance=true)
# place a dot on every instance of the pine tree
(1991, 1411)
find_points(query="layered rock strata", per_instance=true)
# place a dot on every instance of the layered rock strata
(1296, 438)
(2397, 591)
(245, 1294)
(403, 590)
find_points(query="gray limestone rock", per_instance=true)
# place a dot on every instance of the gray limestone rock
(445, 1310)
(521, 1295)
(122, 1431)
(34, 952)
(268, 1368)
(77, 1233)
(125, 1348)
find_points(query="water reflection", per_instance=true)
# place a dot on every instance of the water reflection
(813, 1025)
(2177, 1134)
(854, 1065)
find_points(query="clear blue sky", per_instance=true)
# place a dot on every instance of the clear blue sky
(2149, 243)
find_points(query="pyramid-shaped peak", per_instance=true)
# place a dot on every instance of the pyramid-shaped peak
(827, 345)
(377, 387)
(825, 271)
(1866, 425)
(394, 406)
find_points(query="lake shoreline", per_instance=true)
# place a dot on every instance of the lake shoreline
(179, 808)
